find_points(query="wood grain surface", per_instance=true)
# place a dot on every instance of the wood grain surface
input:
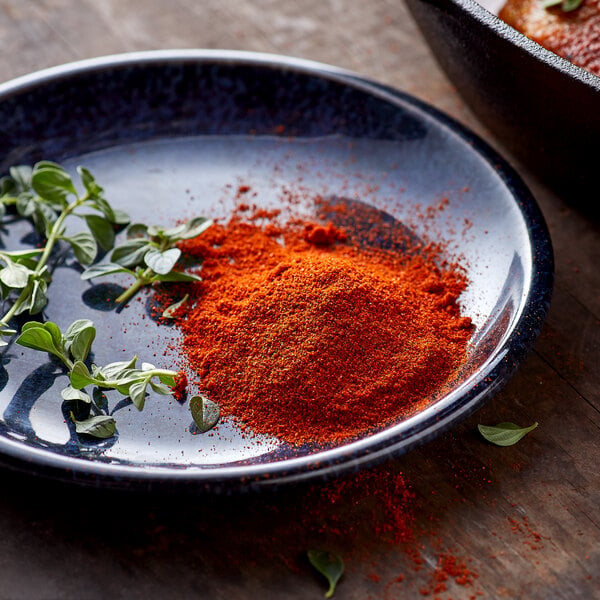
(525, 519)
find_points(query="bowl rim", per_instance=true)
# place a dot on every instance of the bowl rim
(490, 377)
(534, 49)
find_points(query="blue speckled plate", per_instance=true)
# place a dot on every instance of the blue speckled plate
(172, 134)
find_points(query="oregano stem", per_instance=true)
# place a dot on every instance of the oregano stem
(115, 383)
(141, 280)
(41, 263)
(55, 231)
(14, 309)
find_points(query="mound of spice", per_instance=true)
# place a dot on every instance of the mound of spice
(305, 335)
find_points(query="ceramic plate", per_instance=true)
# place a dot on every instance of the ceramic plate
(173, 134)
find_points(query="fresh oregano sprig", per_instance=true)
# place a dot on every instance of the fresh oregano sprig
(72, 348)
(46, 194)
(149, 255)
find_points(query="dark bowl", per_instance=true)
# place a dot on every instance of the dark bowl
(541, 106)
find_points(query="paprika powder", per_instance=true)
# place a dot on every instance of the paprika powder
(303, 332)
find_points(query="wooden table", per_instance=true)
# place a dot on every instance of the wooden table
(524, 519)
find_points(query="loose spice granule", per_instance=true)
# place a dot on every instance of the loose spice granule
(180, 387)
(323, 235)
(319, 343)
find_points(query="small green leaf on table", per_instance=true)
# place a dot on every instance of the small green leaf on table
(504, 434)
(330, 565)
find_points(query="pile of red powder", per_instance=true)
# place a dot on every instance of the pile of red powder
(304, 333)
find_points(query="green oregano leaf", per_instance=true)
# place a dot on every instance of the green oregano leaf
(84, 247)
(100, 426)
(504, 434)
(205, 413)
(137, 231)
(52, 182)
(160, 388)
(168, 379)
(126, 381)
(120, 217)
(38, 297)
(156, 232)
(89, 182)
(151, 254)
(38, 338)
(190, 229)
(162, 262)
(100, 401)
(31, 325)
(15, 275)
(104, 269)
(76, 327)
(137, 393)
(102, 205)
(570, 5)
(82, 343)
(565, 5)
(195, 227)
(80, 376)
(131, 253)
(177, 276)
(7, 186)
(21, 175)
(55, 332)
(102, 230)
(26, 204)
(330, 565)
(70, 393)
(116, 370)
(169, 312)
(21, 256)
(44, 217)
